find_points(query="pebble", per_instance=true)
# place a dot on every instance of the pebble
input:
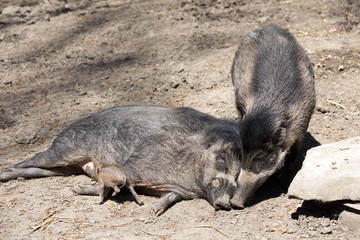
(326, 230)
(325, 222)
(312, 233)
(27, 134)
(11, 10)
(47, 17)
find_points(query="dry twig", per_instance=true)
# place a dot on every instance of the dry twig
(44, 222)
(216, 229)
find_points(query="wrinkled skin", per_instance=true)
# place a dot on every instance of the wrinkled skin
(177, 153)
(275, 98)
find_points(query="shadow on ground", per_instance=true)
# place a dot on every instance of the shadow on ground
(318, 209)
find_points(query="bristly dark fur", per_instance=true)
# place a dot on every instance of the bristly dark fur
(279, 87)
(275, 98)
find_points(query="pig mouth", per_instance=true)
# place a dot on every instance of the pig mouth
(219, 205)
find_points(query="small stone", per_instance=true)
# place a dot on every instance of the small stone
(178, 68)
(345, 228)
(27, 134)
(326, 230)
(82, 92)
(174, 84)
(341, 68)
(81, 13)
(325, 222)
(31, 22)
(263, 19)
(47, 18)
(11, 10)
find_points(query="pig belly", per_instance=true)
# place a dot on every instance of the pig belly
(88, 167)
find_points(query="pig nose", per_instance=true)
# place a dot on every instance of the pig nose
(237, 204)
(221, 205)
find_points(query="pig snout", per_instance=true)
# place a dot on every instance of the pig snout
(237, 202)
(247, 184)
(223, 193)
(222, 203)
(239, 198)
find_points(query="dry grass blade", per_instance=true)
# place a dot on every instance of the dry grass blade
(336, 104)
(44, 222)
(216, 229)
(157, 234)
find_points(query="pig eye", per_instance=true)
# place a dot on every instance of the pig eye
(262, 162)
(220, 162)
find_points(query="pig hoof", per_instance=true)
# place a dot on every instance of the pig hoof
(86, 189)
(158, 209)
(140, 203)
(78, 189)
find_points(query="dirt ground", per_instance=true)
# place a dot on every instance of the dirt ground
(61, 60)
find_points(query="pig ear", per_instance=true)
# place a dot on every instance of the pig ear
(208, 142)
(279, 136)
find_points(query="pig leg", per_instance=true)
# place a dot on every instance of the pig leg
(103, 191)
(34, 172)
(116, 191)
(291, 160)
(48, 163)
(138, 200)
(165, 202)
(87, 189)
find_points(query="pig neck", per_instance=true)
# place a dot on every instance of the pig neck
(190, 173)
(181, 174)
(259, 125)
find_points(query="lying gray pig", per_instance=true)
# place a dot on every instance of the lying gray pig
(176, 153)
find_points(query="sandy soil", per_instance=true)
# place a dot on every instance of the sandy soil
(61, 60)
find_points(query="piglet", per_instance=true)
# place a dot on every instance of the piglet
(116, 177)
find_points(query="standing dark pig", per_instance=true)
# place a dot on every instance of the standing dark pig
(179, 152)
(275, 98)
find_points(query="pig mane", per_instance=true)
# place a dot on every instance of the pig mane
(258, 128)
(277, 59)
(224, 133)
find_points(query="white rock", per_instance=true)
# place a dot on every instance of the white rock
(330, 172)
(350, 217)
